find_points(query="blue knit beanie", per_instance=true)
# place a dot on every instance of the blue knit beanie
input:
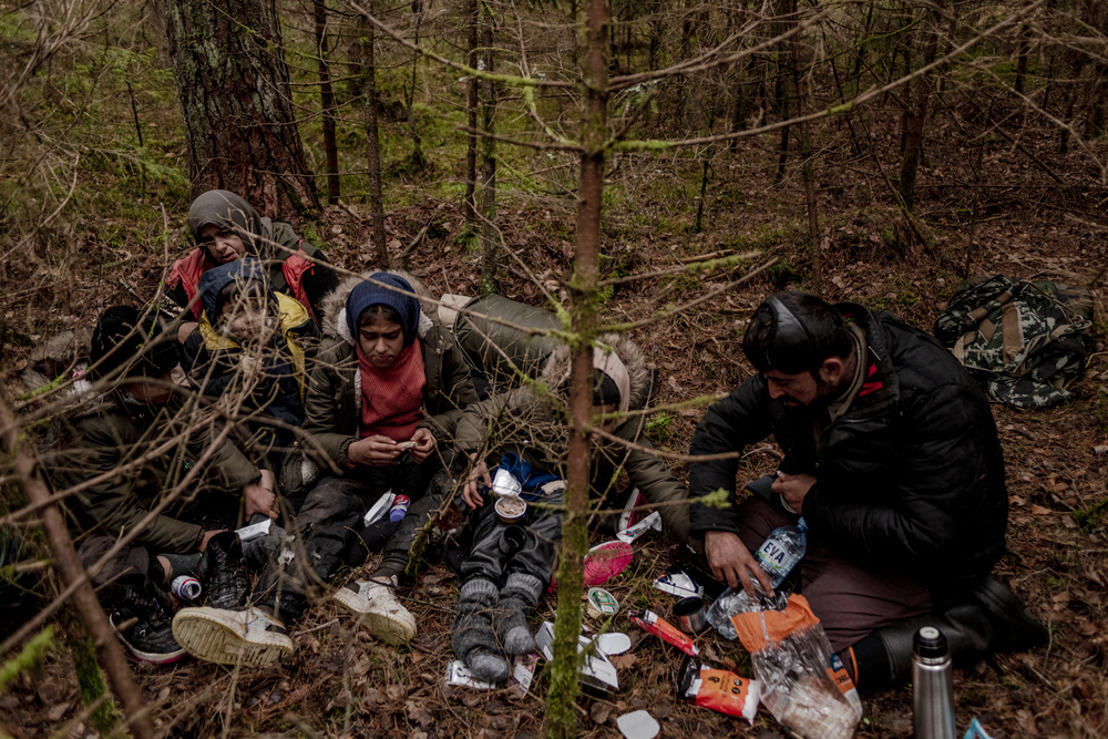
(367, 294)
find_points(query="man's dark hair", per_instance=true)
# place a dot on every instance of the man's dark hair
(125, 337)
(795, 332)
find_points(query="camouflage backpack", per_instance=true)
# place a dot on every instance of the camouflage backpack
(1024, 339)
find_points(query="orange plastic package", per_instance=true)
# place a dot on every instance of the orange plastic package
(649, 622)
(718, 690)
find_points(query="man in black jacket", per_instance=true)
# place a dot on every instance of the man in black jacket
(891, 455)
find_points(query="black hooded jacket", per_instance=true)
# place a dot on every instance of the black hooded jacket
(910, 477)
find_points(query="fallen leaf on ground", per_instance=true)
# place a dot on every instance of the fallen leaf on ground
(600, 712)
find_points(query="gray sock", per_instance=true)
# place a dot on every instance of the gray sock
(488, 666)
(511, 627)
(472, 637)
(183, 564)
(520, 594)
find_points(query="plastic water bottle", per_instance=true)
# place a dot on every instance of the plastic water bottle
(781, 550)
(186, 587)
(932, 686)
(399, 508)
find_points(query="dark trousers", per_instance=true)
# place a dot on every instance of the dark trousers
(851, 599)
(329, 523)
(528, 547)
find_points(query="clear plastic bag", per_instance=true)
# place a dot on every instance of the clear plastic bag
(732, 602)
(791, 658)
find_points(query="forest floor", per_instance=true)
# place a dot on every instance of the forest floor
(1009, 214)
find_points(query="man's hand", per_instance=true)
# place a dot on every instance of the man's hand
(731, 561)
(479, 474)
(373, 451)
(261, 496)
(424, 445)
(793, 489)
(208, 537)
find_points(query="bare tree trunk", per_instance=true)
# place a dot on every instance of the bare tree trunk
(108, 649)
(373, 142)
(233, 86)
(807, 166)
(417, 160)
(1022, 51)
(327, 101)
(914, 119)
(781, 87)
(561, 698)
(489, 238)
(469, 206)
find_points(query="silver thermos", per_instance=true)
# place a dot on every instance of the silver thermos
(932, 685)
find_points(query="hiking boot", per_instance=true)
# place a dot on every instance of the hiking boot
(375, 604)
(144, 626)
(251, 637)
(223, 572)
(1017, 628)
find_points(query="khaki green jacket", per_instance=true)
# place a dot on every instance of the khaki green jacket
(111, 437)
(532, 425)
(333, 404)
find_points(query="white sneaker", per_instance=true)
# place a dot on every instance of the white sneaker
(375, 604)
(251, 637)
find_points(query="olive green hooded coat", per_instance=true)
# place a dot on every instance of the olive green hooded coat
(530, 422)
(333, 403)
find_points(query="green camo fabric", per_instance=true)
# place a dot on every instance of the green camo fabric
(1023, 339)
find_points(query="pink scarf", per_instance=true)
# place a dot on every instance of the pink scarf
(392, 399)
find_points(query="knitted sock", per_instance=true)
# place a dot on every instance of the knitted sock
(183, 564)
(472, 637)
(519, 595)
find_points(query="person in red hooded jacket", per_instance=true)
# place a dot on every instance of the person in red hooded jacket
(227, 228)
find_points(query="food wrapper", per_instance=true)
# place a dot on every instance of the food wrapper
(792, 659)
(649, 622)
(679, 584)
(718, 690)
(595, 671)
(653, 522)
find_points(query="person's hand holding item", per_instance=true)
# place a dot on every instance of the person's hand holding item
(733, 563)
(478, 475)
(261, 496)
(424, 444)
(793, 489)
(373, 451)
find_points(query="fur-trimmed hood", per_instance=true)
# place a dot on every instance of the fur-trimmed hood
(334, 305)
(555, 375)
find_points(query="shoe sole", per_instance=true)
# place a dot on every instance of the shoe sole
(215, 635)
(382, 627)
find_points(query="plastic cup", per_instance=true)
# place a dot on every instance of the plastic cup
(511, 509)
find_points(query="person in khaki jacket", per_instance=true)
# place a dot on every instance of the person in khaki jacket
(127, 450)
(382, 402)
(524, 430)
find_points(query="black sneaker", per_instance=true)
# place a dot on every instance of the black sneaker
(223, 572)
(145, 627)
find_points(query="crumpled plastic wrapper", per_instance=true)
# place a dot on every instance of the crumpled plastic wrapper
(790, 655)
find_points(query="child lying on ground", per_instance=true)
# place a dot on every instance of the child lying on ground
(510, 564)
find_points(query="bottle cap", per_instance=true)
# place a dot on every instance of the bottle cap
(929, 643)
